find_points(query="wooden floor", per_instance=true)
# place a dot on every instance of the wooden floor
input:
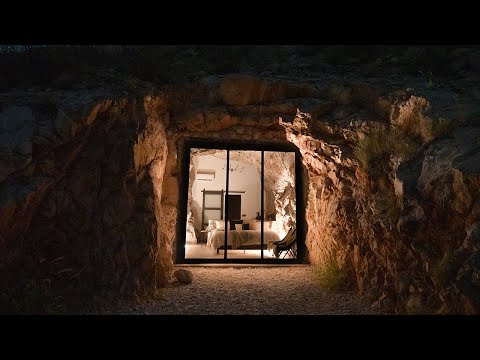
(202, 251)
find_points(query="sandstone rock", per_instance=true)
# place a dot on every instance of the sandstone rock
(183, 276)
(245, 90)
(240, 90)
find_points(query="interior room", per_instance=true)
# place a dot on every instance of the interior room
(225, 193)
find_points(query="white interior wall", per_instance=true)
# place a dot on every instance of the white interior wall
(248, 180)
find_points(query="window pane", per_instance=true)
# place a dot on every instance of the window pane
(206, 176)
(244, 204)
(280, 203)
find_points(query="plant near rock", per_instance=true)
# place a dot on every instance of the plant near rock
(377, 153)
(375, 150)
(331, 276)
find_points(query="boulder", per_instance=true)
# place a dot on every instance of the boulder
(183, 276)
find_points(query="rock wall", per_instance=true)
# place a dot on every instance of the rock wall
(440, 191)
(414, 262)
(87, 197)
(89, 182)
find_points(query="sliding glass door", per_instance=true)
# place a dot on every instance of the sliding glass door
(280, 207)
(205, 207)
(241, 205)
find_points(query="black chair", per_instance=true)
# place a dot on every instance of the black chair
(287, 246)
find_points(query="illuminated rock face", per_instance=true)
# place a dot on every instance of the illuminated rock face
(92, 179)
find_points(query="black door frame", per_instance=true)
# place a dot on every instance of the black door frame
(184, 148)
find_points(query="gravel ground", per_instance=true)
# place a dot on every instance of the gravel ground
(250, 291)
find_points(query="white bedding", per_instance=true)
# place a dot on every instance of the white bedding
(244, 237)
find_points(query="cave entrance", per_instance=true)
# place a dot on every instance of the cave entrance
(240, 203)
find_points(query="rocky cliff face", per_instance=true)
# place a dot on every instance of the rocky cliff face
(84, 193)
(89, 183)
(399, 232)
(440, 191)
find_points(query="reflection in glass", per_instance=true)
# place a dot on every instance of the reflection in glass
(212, 212)
(205, 200)
(280, 202)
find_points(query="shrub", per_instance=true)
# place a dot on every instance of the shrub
(375, 150)
(374, 153)
(330, 276)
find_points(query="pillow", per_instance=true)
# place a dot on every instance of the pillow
(220, 224)
(255, 225)
(238, 227)
(211, 224)
(233, 222)
(245, 226)
(267, 225)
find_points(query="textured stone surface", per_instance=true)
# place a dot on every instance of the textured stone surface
(446, 188)
(436, 191)
(89, 198)
(91, 178)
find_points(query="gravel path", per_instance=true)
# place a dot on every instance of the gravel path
(250, 291)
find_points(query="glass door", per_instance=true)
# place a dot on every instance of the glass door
(280, 205)
(205, 208)
(243, 204)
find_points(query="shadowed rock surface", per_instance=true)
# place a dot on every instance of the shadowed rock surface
(89, 182)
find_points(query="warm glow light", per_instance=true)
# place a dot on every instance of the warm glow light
(206, 252)
(256, 253)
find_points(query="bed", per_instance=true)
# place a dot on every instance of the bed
(242, 239)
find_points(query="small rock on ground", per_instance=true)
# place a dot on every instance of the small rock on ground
(183, 276)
